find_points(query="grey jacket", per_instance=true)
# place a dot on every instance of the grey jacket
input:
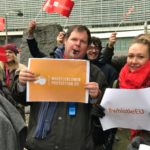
(12, 127)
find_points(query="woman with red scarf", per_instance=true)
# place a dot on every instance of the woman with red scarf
(136, 72)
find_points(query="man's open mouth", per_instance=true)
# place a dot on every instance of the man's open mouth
(75, 51)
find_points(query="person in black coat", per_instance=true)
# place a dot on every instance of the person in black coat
(56, 128)
(96, 57)
(33, 45)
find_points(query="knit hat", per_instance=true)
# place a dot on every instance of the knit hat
(12, 47)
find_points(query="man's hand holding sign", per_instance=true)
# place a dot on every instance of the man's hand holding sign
(60, 83)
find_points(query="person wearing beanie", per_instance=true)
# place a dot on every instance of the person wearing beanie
(10, 69)
(12, 47)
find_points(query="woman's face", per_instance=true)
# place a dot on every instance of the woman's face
(138, 55)
(10, 55)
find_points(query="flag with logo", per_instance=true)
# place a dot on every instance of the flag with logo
(2, 24)
(48, 6)
(63, 7)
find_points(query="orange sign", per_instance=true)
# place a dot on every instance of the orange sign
(58, 80)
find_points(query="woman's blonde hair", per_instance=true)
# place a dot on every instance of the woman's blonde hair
(142, 39)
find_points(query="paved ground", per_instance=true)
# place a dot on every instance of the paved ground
(122, 140)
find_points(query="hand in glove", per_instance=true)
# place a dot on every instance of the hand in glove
(98, 111)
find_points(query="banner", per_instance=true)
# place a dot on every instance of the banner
(2, 24)
(3, 56)
(126, 108)
(58, 80)
(62, 7)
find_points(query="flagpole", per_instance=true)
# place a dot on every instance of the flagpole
(6, 30)
(119, 25)
(130, 10)
(65, 23)
(80, 13)
(38, 14)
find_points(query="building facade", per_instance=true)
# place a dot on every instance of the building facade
(126, 17)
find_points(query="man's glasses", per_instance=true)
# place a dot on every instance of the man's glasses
(91, 48)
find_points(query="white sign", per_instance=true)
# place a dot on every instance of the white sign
(126, 108)
(144, 147)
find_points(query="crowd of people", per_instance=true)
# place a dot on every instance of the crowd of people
(51, 124)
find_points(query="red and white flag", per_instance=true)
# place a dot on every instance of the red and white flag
(130, 10)
(2, 24)
(48, 6)
(3, 56)
(63, 7)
